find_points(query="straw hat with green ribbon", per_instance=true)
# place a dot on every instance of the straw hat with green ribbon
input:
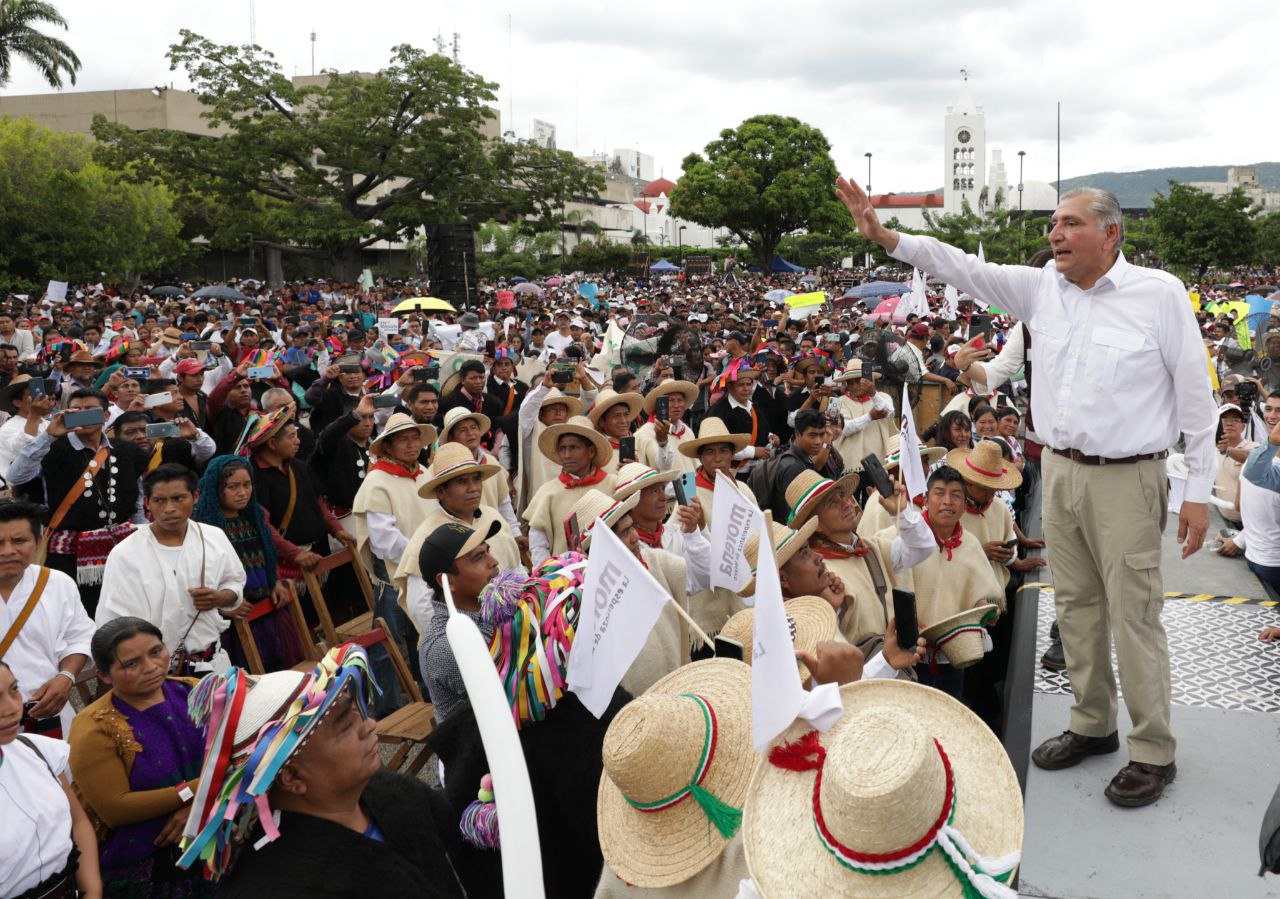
(959, 637)
(786, 543)
(677, 761)
(635, 476)
(808, 489)
(595, 504)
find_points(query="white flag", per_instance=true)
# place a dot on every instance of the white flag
(366, 280)
(909, 453)
(733, 520)
(621, 603)
(950, 304)
(981, 256)
(777, 696)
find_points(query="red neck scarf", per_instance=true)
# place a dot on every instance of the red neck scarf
(572, 483)
(951, 542)
(651, 538)
(703, 480)
(396, 469)
(830, 549)
(971, 506)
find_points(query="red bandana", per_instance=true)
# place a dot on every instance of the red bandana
(572, 483)
(396, 469)
(651, 538)
(703, 481)
(951, 542)
(830, 549)
(971, 506)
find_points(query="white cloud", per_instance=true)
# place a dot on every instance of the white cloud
(1142, 84)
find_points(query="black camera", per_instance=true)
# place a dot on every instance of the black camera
(1247, 393)
(677, 362)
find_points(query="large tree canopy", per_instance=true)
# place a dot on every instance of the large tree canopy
(65, 217)
(350, 161)
(1196, 231)
(768, 177)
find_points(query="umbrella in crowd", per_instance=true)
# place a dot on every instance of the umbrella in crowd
(553, 282)
(526, 287)
(167, 290)
(423, 304)
(886, 308)
(517, 280)
(778, 295)
(220, 292)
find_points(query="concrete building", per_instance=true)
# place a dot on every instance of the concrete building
(964, 160)
(137, 108)
(1245, 178)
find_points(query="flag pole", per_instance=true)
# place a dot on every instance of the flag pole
(693, 625)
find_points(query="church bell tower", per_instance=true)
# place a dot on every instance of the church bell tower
(965, 154)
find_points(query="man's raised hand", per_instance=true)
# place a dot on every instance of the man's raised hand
(864, 215)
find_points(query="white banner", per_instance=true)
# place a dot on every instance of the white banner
(950, 304)
(909, 463)
(621, 603)
(777, 696)
(733, 520)
(389, 325)
(56, 292)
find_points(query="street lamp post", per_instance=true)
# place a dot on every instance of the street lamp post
(1021, 225)
(868, 155)
(680, 242)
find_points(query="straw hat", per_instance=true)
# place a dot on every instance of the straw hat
(399, 423)
(171, 337)
(608, 397)
(666, 388)
(594, 504)
(959, 637)
(811, 618)
(268, 697)
(459, 413)
(808, 489)
(985, 466)
(831, 814)
(84, 357)
(691, 727)
(554, 396)
(453, 460)
(786, 543)
(928, 454)
(581, 426)
(853, 371)
(12, 389)
(712, 431)
(635, 476)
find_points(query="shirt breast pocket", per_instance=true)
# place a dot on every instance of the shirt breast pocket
(1109, 348)
(1049, 339)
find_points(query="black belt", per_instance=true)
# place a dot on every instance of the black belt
(1077, 456)
(60, 886)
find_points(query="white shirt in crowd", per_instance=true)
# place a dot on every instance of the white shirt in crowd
(35, 813)
(13, 437)
(553, 345)
(1259, 534)
(58, 627)
(1120, 368)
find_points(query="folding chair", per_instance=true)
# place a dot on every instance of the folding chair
(88, 673)
(361, 624)
(412, 723)
(253, 659)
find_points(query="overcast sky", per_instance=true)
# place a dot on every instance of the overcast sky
(1142, 84)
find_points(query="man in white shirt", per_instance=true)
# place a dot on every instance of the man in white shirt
(28, 421)
(48, 651)
(175, 573)
(1122, 374)
(555, 342)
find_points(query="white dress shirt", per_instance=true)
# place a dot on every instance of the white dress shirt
(13, 437)
(1120, 368)
(36, 814)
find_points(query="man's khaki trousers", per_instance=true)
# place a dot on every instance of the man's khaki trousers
(1103, 526)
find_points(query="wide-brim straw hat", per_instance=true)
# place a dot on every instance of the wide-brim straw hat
(808, 489)
(666, 388)
(581, 426)
(635, 476)
(653, 750)
(928, 454)
(853, 372)
(453, 460)
(595, 504)
(84, 357)
(171, 337)
(985, 466)
(786, 543)
(398, 423)
(959, 637)
(11, 390)
(461, 413)
(608, 398)
(712, 430)
(554, 396)
(811, 618)
(882, 789)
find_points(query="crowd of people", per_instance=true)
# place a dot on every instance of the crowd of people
(200, 487)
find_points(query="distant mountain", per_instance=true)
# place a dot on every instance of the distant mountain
(1134, 190)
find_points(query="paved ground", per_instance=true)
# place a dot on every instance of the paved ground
(1201, 839)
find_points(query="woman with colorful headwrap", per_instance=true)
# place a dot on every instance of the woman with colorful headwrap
(227, 500)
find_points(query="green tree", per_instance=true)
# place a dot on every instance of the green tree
(20, 37)
(1195, 231)
(769, 177)
(64, 216)
(505, 251)
(1006, 236)
(1267, 228)
(598, 255)
(351, 161)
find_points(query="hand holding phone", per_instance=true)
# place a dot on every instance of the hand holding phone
(627, 449)
(906, 625)
(873, 470)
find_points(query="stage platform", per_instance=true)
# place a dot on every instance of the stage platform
(1201, 839)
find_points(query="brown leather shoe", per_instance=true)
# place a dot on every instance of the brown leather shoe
(1140, 784)
(1070, 748)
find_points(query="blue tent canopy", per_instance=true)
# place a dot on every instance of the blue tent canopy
(663, 265)
(782, 265)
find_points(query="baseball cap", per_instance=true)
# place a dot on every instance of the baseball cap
(446, 544)
(189, 367)
(919, 329)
